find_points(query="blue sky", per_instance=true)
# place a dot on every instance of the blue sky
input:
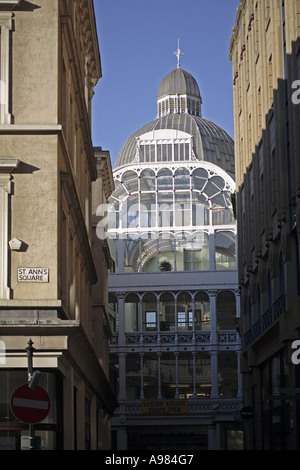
(137, 40)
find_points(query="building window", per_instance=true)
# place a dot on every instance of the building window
(225, 250)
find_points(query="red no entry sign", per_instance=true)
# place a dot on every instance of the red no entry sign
(30, 406)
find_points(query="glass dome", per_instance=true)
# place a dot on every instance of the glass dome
(174, 179)
(166, 213)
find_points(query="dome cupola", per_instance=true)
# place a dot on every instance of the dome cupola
(178, 92)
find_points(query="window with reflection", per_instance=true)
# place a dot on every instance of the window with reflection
(182, 209)
(182, 179)
(200, 210)
(148, 210)
(192, 252)
(165, 209)
(221, 216)
(225, 250)
(131, 212)
(132, 253)
(147, 180)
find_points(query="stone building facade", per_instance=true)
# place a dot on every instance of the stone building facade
(264, 51)
(53, 267)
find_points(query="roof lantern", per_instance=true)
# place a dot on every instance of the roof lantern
(178, 92)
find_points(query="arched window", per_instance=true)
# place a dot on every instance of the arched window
(202, 311)
(184, 311)
(167, 312)
(130, 181)
(149, 312)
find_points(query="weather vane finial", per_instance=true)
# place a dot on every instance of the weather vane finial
(178, 54)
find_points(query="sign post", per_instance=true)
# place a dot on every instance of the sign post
(30, 403)
(30, 350)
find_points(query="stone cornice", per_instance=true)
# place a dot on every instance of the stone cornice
(90, 40)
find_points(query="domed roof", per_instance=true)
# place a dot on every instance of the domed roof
(178, 82)
(210, 142)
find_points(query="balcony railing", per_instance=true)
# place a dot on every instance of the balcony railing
(169, 338)
(267, 319)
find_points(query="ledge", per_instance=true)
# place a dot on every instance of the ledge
(30, 128)
(30, 303)
(7, 165)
